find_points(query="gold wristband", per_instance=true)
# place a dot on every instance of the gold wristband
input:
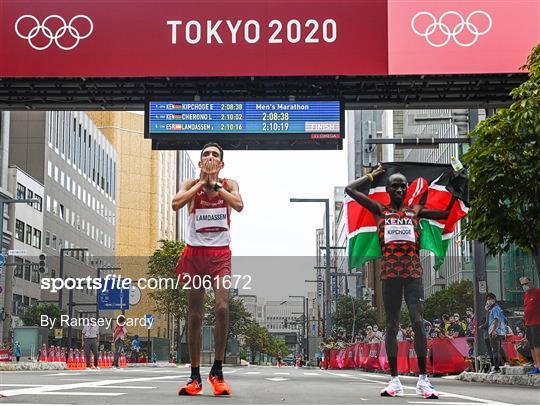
(370, 176)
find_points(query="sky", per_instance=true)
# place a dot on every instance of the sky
(271, 226)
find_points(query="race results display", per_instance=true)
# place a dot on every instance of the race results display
(245, 117)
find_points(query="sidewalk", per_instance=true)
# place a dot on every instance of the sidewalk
(508, 376)
(32, 366)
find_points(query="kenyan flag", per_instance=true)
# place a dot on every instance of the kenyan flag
(443, 189)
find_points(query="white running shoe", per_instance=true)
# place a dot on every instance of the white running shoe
(394, 388)
(425, 389)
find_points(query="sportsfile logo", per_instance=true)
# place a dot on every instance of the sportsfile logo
(451, 26)
(54, 29)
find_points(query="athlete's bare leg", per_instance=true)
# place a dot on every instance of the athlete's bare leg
(196, 316)
(221, 328)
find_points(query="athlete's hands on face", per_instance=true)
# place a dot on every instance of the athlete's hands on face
(210, 171)
(378, 170)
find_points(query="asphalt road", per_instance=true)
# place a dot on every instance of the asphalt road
(250, 385)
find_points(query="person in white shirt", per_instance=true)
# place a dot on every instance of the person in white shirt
(90, 338)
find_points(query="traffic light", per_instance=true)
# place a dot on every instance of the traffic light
(42, 258)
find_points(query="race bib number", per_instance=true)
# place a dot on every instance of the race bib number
(399, 233)
(211, 220)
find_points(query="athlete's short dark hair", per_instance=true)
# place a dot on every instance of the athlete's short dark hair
(213, 144)
(491, 295)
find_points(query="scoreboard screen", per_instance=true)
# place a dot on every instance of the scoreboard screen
(258, 124)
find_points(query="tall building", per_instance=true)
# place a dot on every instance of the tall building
(70, 156)
(185, 170)
(146, 186)
(283, 320)
(22, 287)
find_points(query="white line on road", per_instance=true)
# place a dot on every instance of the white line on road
(278, 379)
(68, 386)
(27, 385)
(84, 393)
(252, 373)
(126, 386)
(312, 374)
(282, 373)
(454, 395)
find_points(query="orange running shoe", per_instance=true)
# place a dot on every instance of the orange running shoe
(191, 388)
(219, 385)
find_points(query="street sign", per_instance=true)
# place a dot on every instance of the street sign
(149, 319)
(112, 298)
(2, 259)
(482, 287)
(17, 252)
(134, 295)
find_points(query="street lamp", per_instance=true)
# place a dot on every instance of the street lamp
(324, 309)
(304, 321)
(327, 249)
(70, 296)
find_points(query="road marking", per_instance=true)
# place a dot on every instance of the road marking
(230, 372)
(69, 386)
(282, 373)
(83, 393)
(126, 387)
(28, 385)
(454, 395)
(312, 374)
(442, 403)
(278, 379)
(252, 373)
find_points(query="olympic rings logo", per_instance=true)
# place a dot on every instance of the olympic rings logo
(451, 33)
(57, 35)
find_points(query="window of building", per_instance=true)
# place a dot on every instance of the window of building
(49, 169)
(54, 241)
(39, 204)
(56, 173)
(27, 269)
(62, 178)
(53, 273)
(17, 303)
(35, 274)
(37, 238)
(67, 215)
(19, 230)
(29, 195)
(73, 187)
(62, 212)
(68, 183)
(48, 203)
(55, 207)
(47, 238)
(21, 191)
(28, 239)
(18, 272)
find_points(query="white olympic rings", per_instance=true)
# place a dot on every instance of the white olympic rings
(56, 36)
(452, 34)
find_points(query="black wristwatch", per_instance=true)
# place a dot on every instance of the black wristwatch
(218, 186)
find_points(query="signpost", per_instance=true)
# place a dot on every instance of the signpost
(113, 298)
(149, 319)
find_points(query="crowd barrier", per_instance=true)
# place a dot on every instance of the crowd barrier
(445, 356)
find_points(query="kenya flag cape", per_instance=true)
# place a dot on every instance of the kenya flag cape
(444, 191)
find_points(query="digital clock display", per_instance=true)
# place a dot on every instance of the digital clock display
(255, 117)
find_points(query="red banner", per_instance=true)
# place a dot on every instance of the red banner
(193, 38)
(120, 38)
(461, 36)
(5, 355)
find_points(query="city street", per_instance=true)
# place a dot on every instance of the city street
(250, 385)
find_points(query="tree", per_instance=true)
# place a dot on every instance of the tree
(455, 299)
(162, 264)
(32, 314)
(503, 164)
(343, 317)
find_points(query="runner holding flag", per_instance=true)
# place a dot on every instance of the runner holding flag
(395, 214)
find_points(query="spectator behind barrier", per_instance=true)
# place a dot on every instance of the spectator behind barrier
(531, 307)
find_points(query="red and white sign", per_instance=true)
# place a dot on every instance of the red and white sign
(122, 38)
(463, 36)
(192, 38)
